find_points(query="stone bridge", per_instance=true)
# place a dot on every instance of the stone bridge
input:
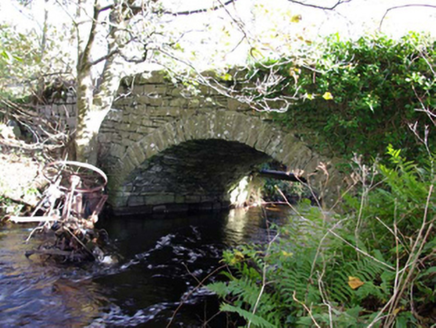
(165, 148)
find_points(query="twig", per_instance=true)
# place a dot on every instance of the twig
(400, 7)
(79, 241)
(306, 308)
(305, 4)
(192, 291)
(264, 282)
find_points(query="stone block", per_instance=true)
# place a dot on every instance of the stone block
(71, 122)
(179, 131)
(205, 206)
(235, 105)
(159, 199)
(170, 135)
(297, 158)
(115, 115)
(127, 166)
(143, 100)
(144, 130)
(138, 89)
(153, 77)
(200, 127)
(205, 90)
(236, 125)
(275, 144)
(253, 125)
(179, 103)
(312, 164)
(160, 209)
(133, 157)
(189, 199)
(135, 136)
(125, 142)
(264, 139)
(139, 152)
(153, 89)
(147, 122)
(158, 140)
(194, 103)
(117, 201)
(157, 101)
(188, 128)
(174, 92)
(117, 150)
(150, 148)
(135, 201)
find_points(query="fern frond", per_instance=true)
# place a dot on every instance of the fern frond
(219, 288)
(249, 316)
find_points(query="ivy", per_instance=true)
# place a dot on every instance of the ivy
(358, 96)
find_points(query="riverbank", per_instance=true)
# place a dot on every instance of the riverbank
(20, 179)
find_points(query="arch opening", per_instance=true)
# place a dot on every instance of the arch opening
(194, 175)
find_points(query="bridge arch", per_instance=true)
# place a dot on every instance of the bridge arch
(146, 163)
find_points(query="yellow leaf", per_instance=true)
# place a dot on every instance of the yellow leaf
(296, 19)
(255, 53)
(239, 256)
(354, 282)
(327, 96)
(308, 96)
(286, 254)
(227, 77)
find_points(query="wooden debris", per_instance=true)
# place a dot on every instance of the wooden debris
(29, 219)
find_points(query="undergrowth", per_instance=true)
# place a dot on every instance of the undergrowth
(373, 266)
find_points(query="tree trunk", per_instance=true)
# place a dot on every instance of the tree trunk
(94, 100)
(93, 108)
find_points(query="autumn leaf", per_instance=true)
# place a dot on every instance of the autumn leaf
(227, 77)
(354, 282)
(296, 19)
(255, 53)
(238, 257)
(327, 96)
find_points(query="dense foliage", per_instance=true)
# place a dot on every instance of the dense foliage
(357, 96)
(29, 63)
(374, 264)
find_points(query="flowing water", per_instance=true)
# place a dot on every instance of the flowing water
(163, 260)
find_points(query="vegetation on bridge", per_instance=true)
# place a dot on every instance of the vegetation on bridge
(360, 96)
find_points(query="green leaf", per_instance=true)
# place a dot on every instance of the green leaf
(249, 316)
(219, 288)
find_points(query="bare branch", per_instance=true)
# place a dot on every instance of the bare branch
(85, 58)
(301, 3)
(199, 11)
(401, 7)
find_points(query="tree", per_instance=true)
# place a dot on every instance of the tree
(131, 31)
(110, 35)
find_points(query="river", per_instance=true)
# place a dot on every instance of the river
(163, 258)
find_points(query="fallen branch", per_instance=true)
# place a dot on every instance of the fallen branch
(28, 219)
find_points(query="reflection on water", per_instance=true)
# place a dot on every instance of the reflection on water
(163, 260)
